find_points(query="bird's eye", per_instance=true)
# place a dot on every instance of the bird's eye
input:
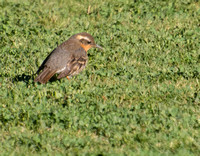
(83, 41)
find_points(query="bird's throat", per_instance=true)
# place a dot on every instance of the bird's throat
(86, 47)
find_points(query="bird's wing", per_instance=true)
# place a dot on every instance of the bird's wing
(76, 64)
(44, 62)
(54, 62)
(45, 75)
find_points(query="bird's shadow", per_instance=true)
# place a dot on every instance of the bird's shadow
(24, 78)
(29, 79)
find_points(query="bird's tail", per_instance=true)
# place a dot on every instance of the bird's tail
(45, 75)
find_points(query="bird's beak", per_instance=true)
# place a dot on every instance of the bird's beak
(98, 46)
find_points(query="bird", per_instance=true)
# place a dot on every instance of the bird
(68, 59)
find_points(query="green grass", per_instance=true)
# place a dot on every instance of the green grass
(140, 96)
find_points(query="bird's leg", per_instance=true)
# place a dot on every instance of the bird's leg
(68, 77)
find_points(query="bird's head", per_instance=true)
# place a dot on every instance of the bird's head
(86, 40)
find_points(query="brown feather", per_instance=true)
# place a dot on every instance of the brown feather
(45, 75)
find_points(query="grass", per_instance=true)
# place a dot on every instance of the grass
(140, 96)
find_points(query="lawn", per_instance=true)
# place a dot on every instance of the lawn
(139, 96)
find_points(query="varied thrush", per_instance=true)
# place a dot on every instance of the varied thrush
(68, 59)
